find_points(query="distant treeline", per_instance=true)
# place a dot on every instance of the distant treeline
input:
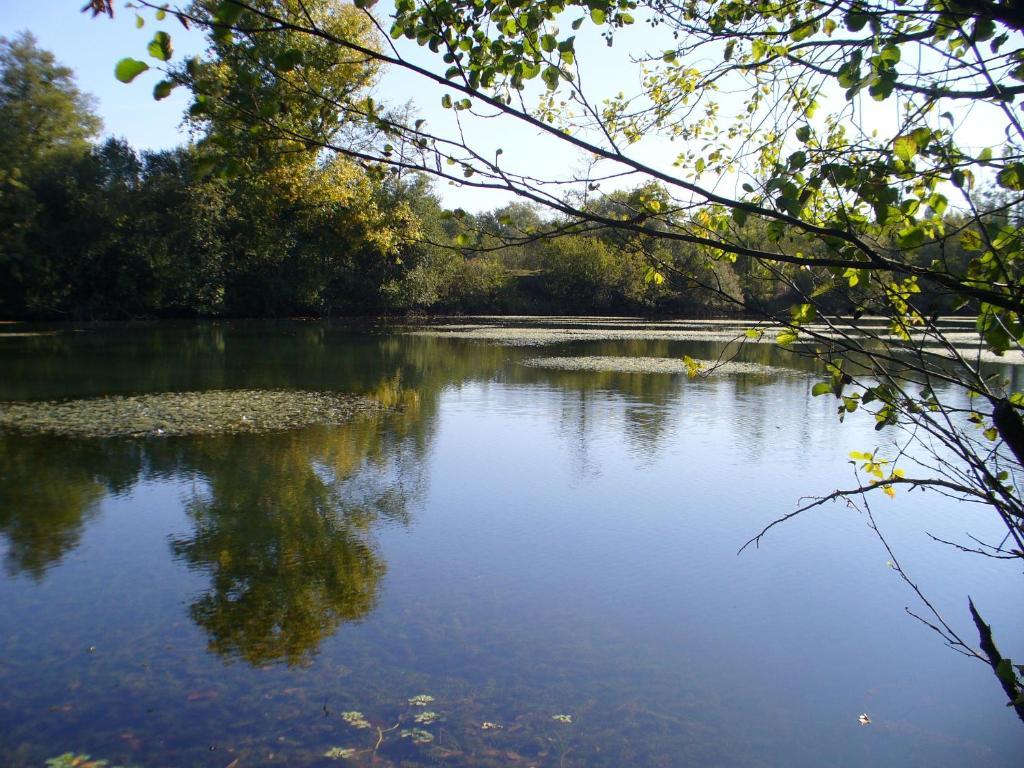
(100, 231)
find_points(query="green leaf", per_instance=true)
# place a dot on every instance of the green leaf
(1011, 177)
(855, 21)
(288, 60)
(462, 239)
(786, 337)
(446, 101)
(803, 313)
(127, 70)
(548, 43)
(163, 89)
(597, 15)
(228, 12)
(912, 237)
(654, 276)
(139, 22)
(550, 76)
(804, 31)
(821, 388)
(970, 240)
(160, 46)
(905, 147)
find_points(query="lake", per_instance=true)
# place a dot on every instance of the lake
(511, 565)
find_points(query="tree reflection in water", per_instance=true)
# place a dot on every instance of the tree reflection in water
(49, 489)
(284, 528)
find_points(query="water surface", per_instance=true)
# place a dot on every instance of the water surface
(517, 542)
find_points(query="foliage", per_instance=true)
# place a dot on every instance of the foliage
(42, 112)
(45, 122)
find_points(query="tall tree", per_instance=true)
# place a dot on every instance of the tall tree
(310, 231)
(45, 121)
(42, 111)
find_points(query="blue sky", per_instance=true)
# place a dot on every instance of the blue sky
(91, 47)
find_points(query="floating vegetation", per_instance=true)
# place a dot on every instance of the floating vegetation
(487, 725)
(426, 718)
(421, 701)
(529, 337)
(650, 365)
(185, 413)
(418, 735)
(71, 760)
(355, 719)
(340, 753)
(540, 331)
(562, 718)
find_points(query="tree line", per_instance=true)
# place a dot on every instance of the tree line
(97, 230)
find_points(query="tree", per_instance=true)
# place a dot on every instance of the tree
(309, 231)
(42, 112)
(44, 121)
(850, 219)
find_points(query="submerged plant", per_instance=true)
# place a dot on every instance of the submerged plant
(417, 735)
(71, 760)
(340, 753)
(355, 719)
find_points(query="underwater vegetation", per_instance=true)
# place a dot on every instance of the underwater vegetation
(413, 725)
(71, 760)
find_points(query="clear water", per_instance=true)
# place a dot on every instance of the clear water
(517, 543)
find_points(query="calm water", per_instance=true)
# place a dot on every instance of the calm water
(517, 543)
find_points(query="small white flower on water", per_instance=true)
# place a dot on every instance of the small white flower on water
(487, 725)
(863, 719)
(562, 718)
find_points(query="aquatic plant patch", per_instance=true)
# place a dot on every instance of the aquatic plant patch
(185, 413)
(651, 365)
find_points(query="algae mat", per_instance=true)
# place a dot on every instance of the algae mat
(185, 413)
